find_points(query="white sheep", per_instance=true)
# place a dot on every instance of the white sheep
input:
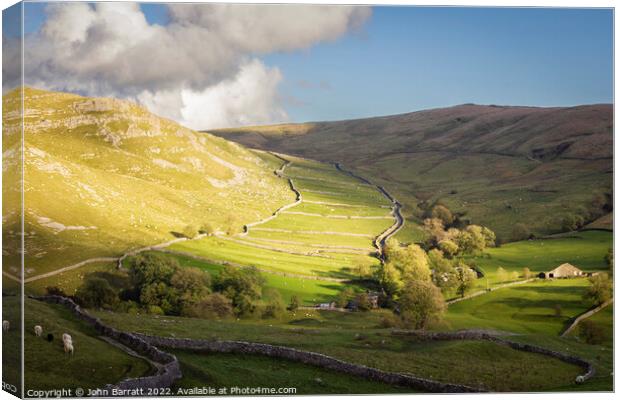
(5, 325)
(580, 379)
(68, 347)
(66, 337)
(38, 330)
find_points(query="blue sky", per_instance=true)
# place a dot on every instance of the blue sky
(411, 58)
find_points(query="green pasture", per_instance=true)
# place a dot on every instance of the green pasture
(309, 291)
(586, 250)
(213, 248)
(377, 211)
(94, 363)
(294, 222)
(235, 370)
(310, 238)
(362, 341)
(525, 308)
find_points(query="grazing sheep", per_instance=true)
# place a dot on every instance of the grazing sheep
(38, 330)
(68, 347)
(580, 379)
(5, 325)
(50, 337)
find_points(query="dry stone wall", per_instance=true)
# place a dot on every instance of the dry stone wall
(310, 358)
(485, 335)
(169, 369)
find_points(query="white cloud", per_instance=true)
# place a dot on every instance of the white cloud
(195, 66)
(251, 97)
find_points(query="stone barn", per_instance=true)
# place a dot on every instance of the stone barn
(565, 270)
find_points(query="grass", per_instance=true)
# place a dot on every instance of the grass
(526, 308)
(356, 337)
(234, 370)
(304, 235)
(605, 320)
(94, 364)
(218, 249)
(586, 250)
(309, 291)
(123, 178)
(478, 160)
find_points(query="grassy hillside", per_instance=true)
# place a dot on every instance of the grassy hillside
(103, 176)
(325, 235)
(492, 165)
(48, 367)
(357, 337)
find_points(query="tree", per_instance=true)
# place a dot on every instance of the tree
(600, 289)
(420, 303)
(363, 267)
(489, 237)
(207, 228)
(294, 304)
(591, 332)
(449, 248)
(363, 302)
(402, 265)
(96, 293)
(443, 273)
(434, 229)
(443, 213)
(414, 264)
(465, 278)
(274, 306)
(191, 285)
(344, 296)
(527, 274)
(242, 285)
(150, 268)
(502, 274)
(190, 231)
(520, 232)
(212, 306)
(391, 279)
(160, 281)
(571, 222)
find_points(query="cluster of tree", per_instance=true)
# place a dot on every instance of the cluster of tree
(600, 289)
(454, 242)
(361, 301)
(231, 226)
(415, 280)
(159, 285)
(599, 205)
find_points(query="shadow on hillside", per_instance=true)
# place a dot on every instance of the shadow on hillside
(177, 235)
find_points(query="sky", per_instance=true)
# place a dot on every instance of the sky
(210, 66)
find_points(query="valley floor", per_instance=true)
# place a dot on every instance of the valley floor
(310, 249)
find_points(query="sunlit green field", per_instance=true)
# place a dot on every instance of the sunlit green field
(325, 245)
(526, 308)
(356, 337)
(586, 250)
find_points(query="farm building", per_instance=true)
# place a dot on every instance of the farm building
(565, 270)
(326, 306)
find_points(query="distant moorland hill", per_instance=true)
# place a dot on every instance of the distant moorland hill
(545, 169)
(103, 176)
